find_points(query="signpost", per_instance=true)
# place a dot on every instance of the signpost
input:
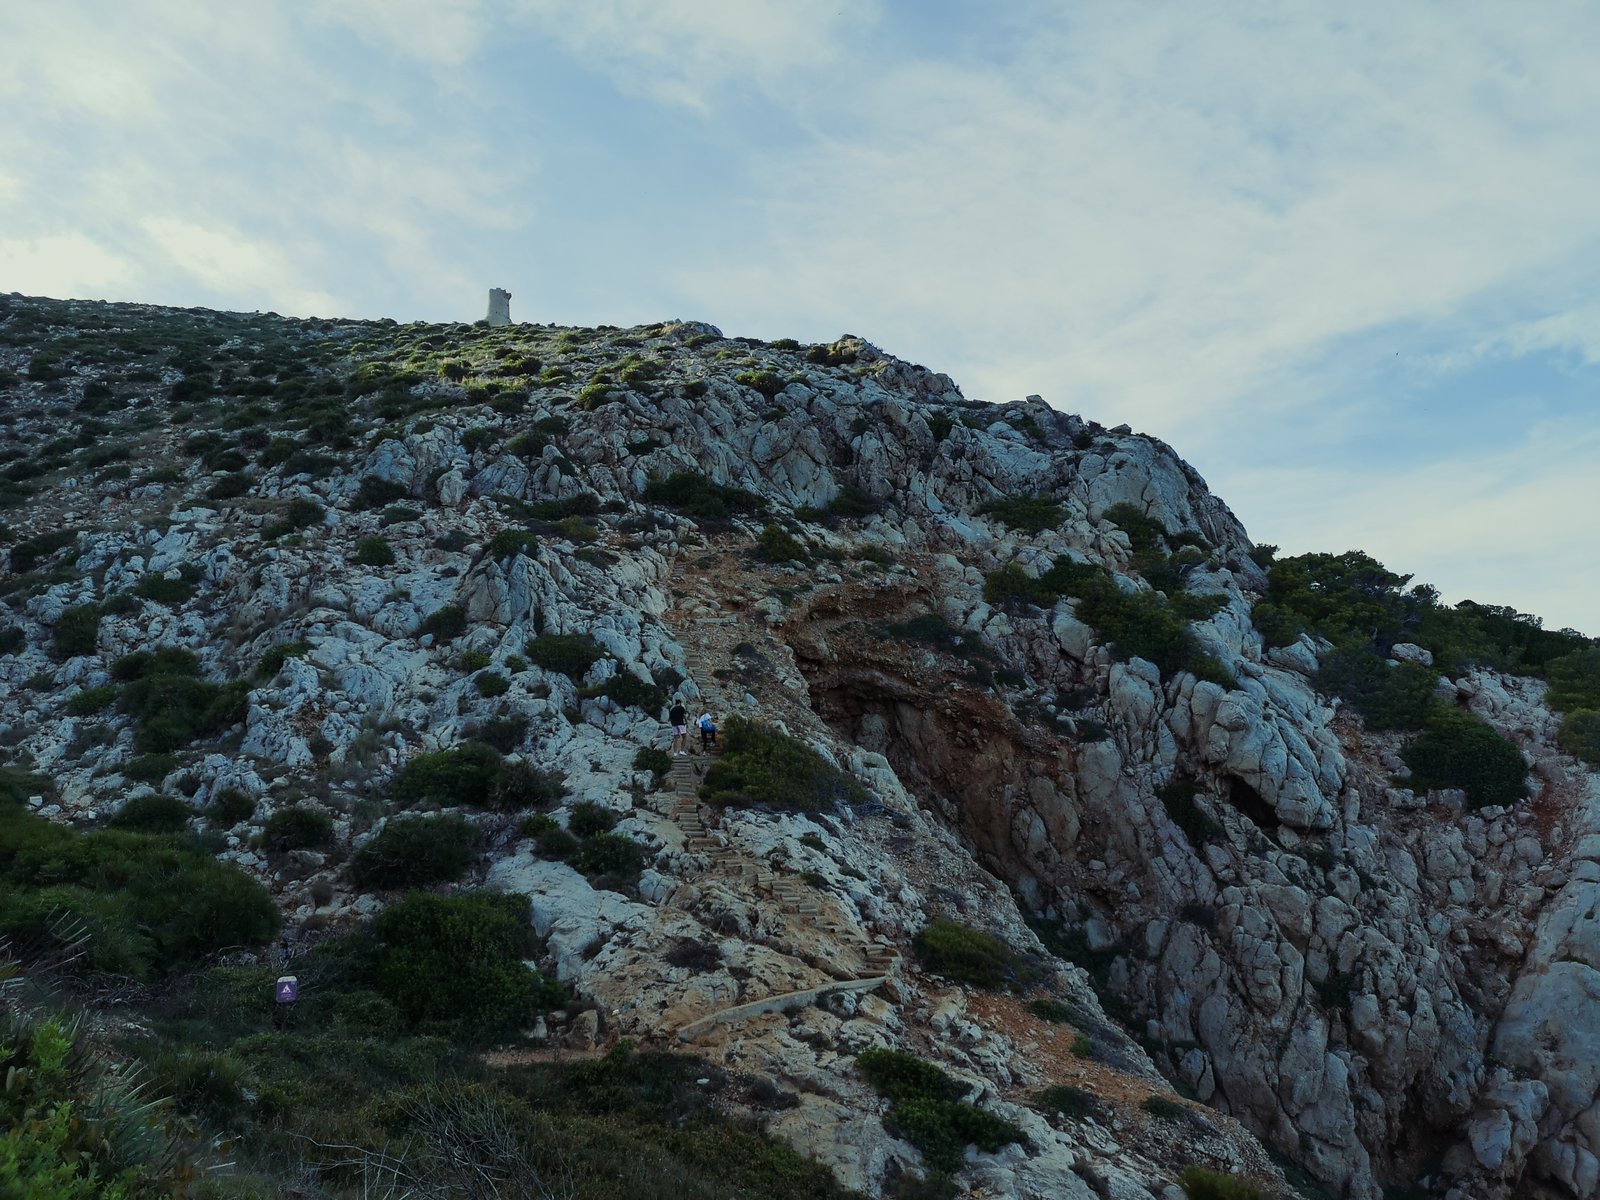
(286, 991)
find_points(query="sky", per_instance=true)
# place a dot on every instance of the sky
(1341, 257)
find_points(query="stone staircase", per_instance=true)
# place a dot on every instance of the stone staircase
(797, 900)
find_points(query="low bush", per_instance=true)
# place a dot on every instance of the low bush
(1575, 680)
(589, 818)
(1068, 1101)
(760, 764)
(554, 842)
(628, 690)
(165, 660)
(1397, 697)
(1144, 532)
(12, 640)
(927, 1111)
(1201, 1183)
(1163, 1107)
(374, 492)
(512, 541)
(696, 496)
(1031, 514)
(171, 710)
(445, 624)
(164, 589)
(649, 758)
(491, 683)
(152, 813)
(1457, 750)
(230, 806)
(374, 551)
(296, 828)
(30, 552)
(570, 654)
(967, 955)
(458, 962)
(87, 701)
(474, 775)
(272, 661)
(77, 631)
(413, 852)
(1579, 735)
(150, 768)
(609, 854)
(303, 513)
(147, 905)
(777, 546)
(1056, 1012)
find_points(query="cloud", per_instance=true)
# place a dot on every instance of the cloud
(62, 264)
(684, 51)
(231, 264)
(1512, 523)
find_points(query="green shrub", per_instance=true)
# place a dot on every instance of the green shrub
(446, 624)
(1579, 735)
(374, 551)
(272, 661)
(77, 631)
(1178, 798)
(628, 690)
(589, 818)
(230, 806)
(12, 640)
(512, 541)
(1575, 680)
(164, 589)
(229, 487)
(1069, 1101)
(30, 552)
(413, 852)
(150, 768)
(570, 654)
(762, 765)
(87, 701)
(171, 710)
(302, 513)
(654, 760)
(376, 493)
(492, 683)
(1031, 514)
(165, 660)
(475, 776)
(554, 842)
(927, 1112)
(696, 496)
(1457, 750)
(609, 854)
(152, 813)
(966, 954)
(458, 961)
(1144, 532)
(1055, 1012)
(776, 546)
(1163, 1107)
(297, 827)
(1397, 697)
(1200, 1183)
(146, 904)
(474, 660)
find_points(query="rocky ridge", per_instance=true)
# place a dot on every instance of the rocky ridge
(1385, 988)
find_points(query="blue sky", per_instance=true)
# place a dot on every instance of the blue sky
(1341, 257)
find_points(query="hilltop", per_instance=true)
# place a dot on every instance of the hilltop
(1062, 841)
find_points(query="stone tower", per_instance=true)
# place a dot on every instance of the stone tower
(499, 306)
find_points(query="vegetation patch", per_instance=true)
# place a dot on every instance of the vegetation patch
(272, 661)
(77, 631)
(1457, 750)
(298, 827)
(775, 545)
(762, 765)
(416, 851)
(145, 905)
(1202, 1183)
(928, 1112)
(152, 813)
(696, 496)
(374, 551)
(445, 624)
(569, 654)
(1031, 514)
(170, 707)
(1179, 799)
(969, 955)
(474, 775)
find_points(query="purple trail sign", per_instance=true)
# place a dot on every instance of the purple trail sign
(286, 990)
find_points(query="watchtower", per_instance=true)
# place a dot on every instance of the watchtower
(499, 306)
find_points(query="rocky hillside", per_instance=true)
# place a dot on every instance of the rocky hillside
(1061, 842)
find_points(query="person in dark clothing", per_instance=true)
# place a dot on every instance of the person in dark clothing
(678, 716)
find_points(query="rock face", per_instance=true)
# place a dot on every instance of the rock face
(1366, 981)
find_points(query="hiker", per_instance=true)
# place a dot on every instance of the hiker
(678, 716)
(708, 732)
